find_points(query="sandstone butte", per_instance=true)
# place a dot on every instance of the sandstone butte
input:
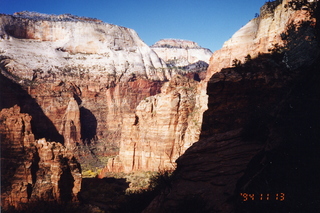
(260, 134)
(84, 83)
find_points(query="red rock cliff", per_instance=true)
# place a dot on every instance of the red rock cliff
(33, 170)
(161, 129)
(84, 90)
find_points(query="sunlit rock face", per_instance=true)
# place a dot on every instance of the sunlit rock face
(33, 170)
(63, 44)
(259, 35)
(82, 81)
(84, 74)
(161, 129)
(177, 52)
(71, 126)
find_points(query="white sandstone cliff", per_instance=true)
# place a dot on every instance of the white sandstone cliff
(66, 43)
(177, 52)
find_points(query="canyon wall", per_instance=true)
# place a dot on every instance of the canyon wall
(259, 135)
(97, 90)
(161, 129)
(66, 63)
(87, 78)
(165, 125)
(33, 170)
(84, 83)
(177, 52)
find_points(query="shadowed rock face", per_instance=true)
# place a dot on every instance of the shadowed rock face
(256, 138)
(33, 170)
(14, 94)
(258, 134)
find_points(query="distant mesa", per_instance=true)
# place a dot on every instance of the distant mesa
(176, 43)
(179, 52)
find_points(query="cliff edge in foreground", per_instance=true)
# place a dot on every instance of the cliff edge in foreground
(259, 142)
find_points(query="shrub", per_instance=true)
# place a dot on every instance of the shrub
(161, 181)
(236, 63)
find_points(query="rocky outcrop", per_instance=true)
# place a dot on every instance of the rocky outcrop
(261, 34)
(178, 53)
(256, 135)
(33, 170)
(161, 129)
(53, 68)
(71, 127)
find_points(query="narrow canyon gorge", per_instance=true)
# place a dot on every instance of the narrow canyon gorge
(82, 101)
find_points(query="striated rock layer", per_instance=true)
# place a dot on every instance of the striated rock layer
(77, 79)
(33, 170)
(97, 88)
(76, 46)
(161, 129)
(260, 132)
(78, 69)
(84, 75)
(177, 52)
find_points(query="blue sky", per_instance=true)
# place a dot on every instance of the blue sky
(207, 22)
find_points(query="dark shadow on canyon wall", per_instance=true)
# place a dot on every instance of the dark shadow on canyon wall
(12, 94)
(88, 125)
(66, 182)
(291, 171)
(259, 137)
(283, 176)
(292, 167)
